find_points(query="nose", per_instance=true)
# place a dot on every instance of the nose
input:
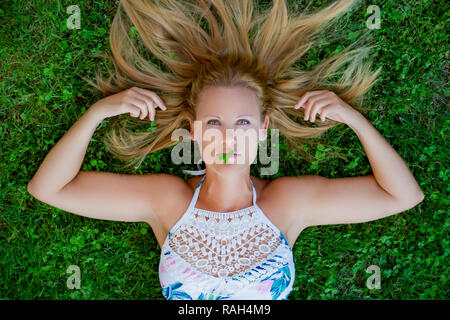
(230, 140)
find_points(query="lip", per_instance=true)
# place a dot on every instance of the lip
(234, 154)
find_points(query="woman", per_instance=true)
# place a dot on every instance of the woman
(225, 235)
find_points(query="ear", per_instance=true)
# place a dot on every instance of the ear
(191, 126)
(265, 126)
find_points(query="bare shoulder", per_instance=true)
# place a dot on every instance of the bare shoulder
(302, 187)
(167, 192)
(277, 200)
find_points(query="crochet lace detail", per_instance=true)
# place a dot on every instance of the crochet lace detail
(224, 244)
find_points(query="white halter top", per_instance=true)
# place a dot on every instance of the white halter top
(235, 255)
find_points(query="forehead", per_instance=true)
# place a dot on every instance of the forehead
(227, 102)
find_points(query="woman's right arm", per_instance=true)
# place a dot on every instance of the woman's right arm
(103, 195)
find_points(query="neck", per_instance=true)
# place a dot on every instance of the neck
(227, 191)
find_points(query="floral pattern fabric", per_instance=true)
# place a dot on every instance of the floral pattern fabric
(236, 255)
(275, 286)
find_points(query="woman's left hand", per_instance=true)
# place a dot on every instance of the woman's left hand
(325, 103)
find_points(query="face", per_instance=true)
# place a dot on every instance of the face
(228, 126)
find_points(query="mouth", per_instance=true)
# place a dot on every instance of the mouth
(229, 155)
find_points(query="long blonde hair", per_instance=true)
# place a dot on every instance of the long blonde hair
(250, 48)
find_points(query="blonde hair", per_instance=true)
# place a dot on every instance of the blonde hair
(251, 48)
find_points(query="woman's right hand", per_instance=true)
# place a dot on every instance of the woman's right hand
(136, 101)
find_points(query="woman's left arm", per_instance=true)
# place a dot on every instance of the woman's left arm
(389, 169)
(314, 200)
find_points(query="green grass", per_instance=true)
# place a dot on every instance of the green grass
(42, 95)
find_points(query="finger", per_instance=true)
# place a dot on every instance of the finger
(310, 104)
(314, 106)
(135, 111)
(306, 96)
(302, 104)
(151, 110)
(323, 114)
(152, 95)
(318, 105)
(139, 103)
(150, 102)
(138, 112)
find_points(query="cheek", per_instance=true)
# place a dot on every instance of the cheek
(253, 150)
(248, 148)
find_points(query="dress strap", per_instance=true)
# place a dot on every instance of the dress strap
(195, 196)
(254, 192)
(201, 181)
